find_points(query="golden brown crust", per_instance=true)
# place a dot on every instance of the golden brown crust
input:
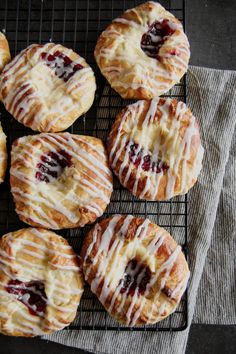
(3, 154)
(44, 92)
(154, 148)
(128, 69)
(123, 251)
(5, 55)
(60, 180)
(37, 256)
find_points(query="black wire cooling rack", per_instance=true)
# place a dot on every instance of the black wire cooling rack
(77, 24)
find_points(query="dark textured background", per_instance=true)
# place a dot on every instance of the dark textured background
(211, 28)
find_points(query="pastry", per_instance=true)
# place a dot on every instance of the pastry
(5, 55)
(155, 149)
(60, 180)
(41, 283)
(3, 154)
(135, 268)
(144, 52)
(47, 87)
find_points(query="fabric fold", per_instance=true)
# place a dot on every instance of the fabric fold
(217, 287)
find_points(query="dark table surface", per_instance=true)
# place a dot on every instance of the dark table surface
(211, 28)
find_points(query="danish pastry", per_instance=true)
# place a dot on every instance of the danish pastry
(144, 52)
(5, 55)
(47, 87)
(60, 180)
(41, 283)
(135, 268)
(3, 154)
(155, 149)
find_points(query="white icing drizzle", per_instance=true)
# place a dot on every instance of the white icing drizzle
(127, 22)
(175, 151)
(28, 104)
(58, 207)
(110, 266)
(3, 153)
(65, 267)
(25, 271)
(38, 247)
(114, 255)
(154, 76)
(54, 244)
(107, 236)
(89, 250)
(166, 266)
(179, 290)
(96, 186)
(79, 154)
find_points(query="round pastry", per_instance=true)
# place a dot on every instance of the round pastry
(5, 55)
(3, 154)
(135, 268)
(155, 149)
(144, 52)
(47, 87)
(60, 180)
(41, 283)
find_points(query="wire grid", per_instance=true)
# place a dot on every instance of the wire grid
(77, 25)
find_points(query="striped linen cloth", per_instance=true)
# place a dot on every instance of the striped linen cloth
(212, 226)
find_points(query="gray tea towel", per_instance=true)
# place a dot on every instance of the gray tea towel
(212, 202)
(217, 287)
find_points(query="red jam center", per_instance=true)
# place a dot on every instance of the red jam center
(136, 276)
(136, 157)
(31, 294)
(153, 39)
(52, 165)
(63, 66)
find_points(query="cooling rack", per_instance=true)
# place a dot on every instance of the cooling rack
(77, 24)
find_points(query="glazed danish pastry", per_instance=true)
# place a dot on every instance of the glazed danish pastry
(60, 180)
(3, 154)
(5, 55)
(135, 268)
(47, 87)
(155, 149)
(144, 52)
(41, 283)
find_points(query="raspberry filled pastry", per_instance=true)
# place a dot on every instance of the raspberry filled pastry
(144, 52)
(47, 87)
(135, 268)
(3, 154)
(5, 55)
(155, 149)
(41, 283)
(60, 180)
